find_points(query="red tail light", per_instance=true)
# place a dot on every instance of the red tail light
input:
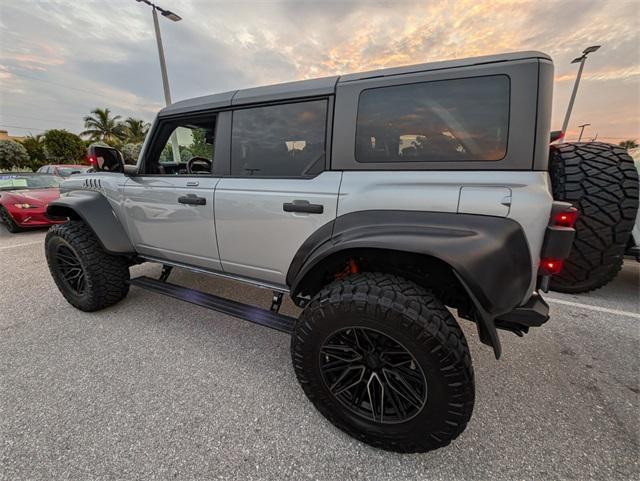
(556, 135)
(551, 266)
(566, 218)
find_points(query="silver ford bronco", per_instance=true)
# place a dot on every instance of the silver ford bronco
(379, 201)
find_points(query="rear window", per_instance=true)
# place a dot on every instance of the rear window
(448, 120)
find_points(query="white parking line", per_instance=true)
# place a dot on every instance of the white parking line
(593, 308)
(22, 245)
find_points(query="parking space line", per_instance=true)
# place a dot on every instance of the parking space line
(593, 308)
(22, 245)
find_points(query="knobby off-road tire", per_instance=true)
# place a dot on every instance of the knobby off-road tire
(8, 221)
(601, 181)
(400, 313)
(88, 277)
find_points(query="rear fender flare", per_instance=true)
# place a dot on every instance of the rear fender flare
(489, 255)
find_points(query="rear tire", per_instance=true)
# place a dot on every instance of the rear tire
(8, 221)
(406, 335)
(601, 181)
(87, 276)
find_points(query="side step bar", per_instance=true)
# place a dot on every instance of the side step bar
(264, 317)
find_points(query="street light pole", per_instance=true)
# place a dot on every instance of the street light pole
(163, 63)
(175, 148)
(582, 130)
(582, 60)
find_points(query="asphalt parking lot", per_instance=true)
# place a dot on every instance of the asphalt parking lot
(154, 388)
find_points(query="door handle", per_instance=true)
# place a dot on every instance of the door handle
(303, 206)
(192, 199)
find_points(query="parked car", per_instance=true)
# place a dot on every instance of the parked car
(379, 201)
(64, 170)
(24, 198)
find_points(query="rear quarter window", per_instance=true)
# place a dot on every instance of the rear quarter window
(448, 120)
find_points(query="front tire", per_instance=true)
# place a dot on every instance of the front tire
(88, 277)
(385, 361)
(8, 221)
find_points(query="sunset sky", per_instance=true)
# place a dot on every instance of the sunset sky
(60, 59)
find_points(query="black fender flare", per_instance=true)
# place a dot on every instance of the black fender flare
(93, 209)
(489, 255)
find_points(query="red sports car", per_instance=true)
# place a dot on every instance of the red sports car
(24, 198)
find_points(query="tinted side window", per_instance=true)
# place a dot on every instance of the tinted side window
(448, 120)
(285, 140)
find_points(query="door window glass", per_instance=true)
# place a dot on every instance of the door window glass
(188, 147)
(285, 140)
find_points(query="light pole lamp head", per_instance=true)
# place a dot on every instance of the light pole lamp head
(171, 16)
(591, 49)
(578, 59)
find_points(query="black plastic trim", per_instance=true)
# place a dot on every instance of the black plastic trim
(247, 312)
(489, 255)
(95, 210)
(533, 313)
(558, 242)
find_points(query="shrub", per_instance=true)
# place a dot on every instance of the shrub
(130, 152)
(13, 155)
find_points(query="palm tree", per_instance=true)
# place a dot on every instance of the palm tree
(629, 144)
(135, 130)
(102, 126)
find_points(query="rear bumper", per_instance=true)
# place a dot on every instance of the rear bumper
(533, 313)
(558, 242)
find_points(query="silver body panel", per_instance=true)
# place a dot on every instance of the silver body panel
(242, 232)
(257, 239)
(162, 227)
(526, 193)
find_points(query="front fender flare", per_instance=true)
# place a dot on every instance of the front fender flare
(93, 209)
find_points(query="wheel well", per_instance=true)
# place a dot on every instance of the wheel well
(62, 212)
(426, 271)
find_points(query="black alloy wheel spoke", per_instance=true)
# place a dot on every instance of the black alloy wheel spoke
(373, 375)
(71, 269)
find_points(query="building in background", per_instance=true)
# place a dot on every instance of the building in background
(4, 135)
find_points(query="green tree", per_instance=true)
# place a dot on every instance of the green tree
(35, 148)
(13, 155)
(63, 147)
(629, 144)
(135, 130)
(103, 126)
(130, 152)
(167, 153)
(199, 147)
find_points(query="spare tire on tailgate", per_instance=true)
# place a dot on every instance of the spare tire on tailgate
(601, 181)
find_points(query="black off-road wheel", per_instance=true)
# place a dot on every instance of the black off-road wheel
(87, 276)
(601, 181)
(385, 361)
(8, 221)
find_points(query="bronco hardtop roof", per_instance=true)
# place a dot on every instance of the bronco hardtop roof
(327, 85)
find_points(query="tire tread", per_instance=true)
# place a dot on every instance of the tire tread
(602, 182)
(426, 318)
(107, 275)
